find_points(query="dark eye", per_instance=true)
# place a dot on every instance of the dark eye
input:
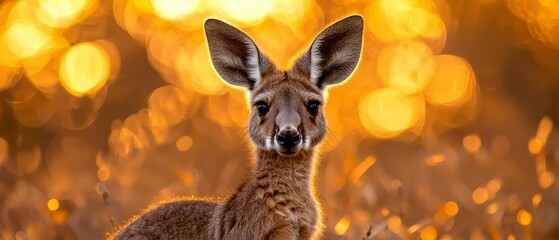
(313, 107)
(262, 108)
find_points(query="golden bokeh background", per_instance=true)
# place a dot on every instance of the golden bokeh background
(445, 131)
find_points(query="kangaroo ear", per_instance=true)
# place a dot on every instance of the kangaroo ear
(334, 53)
(234, 55)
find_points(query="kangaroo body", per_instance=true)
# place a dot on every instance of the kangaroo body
(176, 220)
(276, 201)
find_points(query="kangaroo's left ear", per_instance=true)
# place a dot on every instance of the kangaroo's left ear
(334, 53)
(235, 56)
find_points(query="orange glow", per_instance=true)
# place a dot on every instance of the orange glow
(434, 160)
(103, 174)
(53, 204)
(551, 4)
(524, 217)
(290, 11)
(246, 11)
(540, 16)
(404, 20)
(63, 13)
(228, 110)
(480, 195)
(451, 208)
(174, 9)
(8, 77)
(25, 39)
(361, 168)
(398, 66)
(536, 200)
(342, 226)
(186, 177)
(413, 229)
(544, 128)
(205, 80)
(60, 217)
(384, 212)
(535, 145)
(428, 233)
(541, 165)
(545, 179)
(409, 137)
(184, 143)
(3, 151)
(131, 136)
(452, 81)
(42, 71)
(388, 112)
(167, 106)
(494, 185)
(84, 69)
(394, 223)
(238, 109)
(472, 143)
(492, 208)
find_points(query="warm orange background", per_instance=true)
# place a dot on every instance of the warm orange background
(446, 129)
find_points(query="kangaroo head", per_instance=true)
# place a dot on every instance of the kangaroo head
(287, 106)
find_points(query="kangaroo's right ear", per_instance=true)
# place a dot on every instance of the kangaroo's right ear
(334, 54)
(234, 55)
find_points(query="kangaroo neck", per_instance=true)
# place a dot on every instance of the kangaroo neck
(298, 168)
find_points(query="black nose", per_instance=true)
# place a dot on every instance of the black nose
(288, 138)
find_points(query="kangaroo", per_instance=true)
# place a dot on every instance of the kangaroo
(276, 201)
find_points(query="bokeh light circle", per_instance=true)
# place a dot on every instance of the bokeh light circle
(63, 13)
(174, 9)
(246, 11)
(451, 81)
(388, 112)
(167, 106)
(84, 69)
(398, 66)
(290, 11)
(26, 40)
(195, 72)
(402, 20)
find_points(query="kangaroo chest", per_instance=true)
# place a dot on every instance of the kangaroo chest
(286, 201)
(273, 208)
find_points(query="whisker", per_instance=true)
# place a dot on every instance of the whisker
(331, 136)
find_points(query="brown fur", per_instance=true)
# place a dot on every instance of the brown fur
(276, 201)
